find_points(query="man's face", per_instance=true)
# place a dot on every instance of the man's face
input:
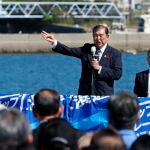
(100, 38)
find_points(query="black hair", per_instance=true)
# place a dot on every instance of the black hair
(141, 143)
(148, 53)
(46, 102)
(97, 27)
(107, 139)
(57, 131)
(123, 110)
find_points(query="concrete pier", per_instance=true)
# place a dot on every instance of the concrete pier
(34, 43)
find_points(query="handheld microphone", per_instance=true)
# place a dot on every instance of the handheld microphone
(93, 50)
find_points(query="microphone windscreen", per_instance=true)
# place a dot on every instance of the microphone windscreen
(93, 50)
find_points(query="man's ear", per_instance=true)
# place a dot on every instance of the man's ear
(107, 35)
(60, 111)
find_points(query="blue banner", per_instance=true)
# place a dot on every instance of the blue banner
(88, 113)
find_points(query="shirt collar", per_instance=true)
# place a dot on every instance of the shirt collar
(103, 48)
(43, 121)
(127, 132)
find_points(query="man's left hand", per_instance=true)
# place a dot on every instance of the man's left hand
(95, 64)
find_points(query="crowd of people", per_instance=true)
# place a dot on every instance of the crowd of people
(56, 133)
(97, 78)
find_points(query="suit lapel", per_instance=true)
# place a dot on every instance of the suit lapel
(106, 55)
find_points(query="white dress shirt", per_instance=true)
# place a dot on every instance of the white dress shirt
(54, 45)
(100, 56)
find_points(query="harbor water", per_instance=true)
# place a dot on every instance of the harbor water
(27, 73)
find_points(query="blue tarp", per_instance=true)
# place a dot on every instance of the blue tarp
(88, 113)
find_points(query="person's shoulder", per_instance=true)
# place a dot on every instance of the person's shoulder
(114, 50)
(88, 44)
(35, 132)
(86, 48)
(79, 133)
(142, 72)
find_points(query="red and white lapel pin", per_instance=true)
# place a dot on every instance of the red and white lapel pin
(106, 56)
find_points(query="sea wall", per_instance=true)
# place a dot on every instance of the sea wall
(34, 43)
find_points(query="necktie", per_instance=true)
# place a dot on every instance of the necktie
(99, 53)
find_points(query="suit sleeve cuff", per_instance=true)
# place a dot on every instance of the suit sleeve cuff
(53, 46)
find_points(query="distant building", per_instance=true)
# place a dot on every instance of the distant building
(126, 4)
(143, 24)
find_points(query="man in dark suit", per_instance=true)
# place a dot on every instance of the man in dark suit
(98, 75)
(142, 86)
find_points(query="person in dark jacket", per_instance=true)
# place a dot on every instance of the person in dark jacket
(142, 81)
(46, 108)
(98, 74)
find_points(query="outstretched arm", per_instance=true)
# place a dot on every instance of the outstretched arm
(48, 37)
(60, 48)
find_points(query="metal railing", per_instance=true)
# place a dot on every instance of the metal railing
(59, 9)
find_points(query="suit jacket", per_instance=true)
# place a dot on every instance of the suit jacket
(141, 84)
(56, 123)
(111, 69)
